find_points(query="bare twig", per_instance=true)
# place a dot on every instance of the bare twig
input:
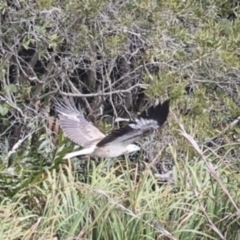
(18, 144)
(13, 105)
(102, 93)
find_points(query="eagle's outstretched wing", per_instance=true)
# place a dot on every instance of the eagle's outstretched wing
(145, 124)
(76, 127)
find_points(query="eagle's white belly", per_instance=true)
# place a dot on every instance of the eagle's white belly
(110, 151)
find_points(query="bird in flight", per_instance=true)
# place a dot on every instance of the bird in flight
(118, 142)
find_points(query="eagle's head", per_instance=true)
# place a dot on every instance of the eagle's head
(132, 148)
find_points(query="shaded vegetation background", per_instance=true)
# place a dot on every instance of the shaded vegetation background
(115, 58)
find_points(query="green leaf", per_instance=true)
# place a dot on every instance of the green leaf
(3, 109)
(6, 122)
(54, 37)
(11, 88)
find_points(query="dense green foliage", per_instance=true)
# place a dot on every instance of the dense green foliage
(120, 56)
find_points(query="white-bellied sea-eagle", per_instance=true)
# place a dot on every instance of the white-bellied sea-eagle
(118, 142)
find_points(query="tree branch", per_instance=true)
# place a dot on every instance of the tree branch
(102, 93)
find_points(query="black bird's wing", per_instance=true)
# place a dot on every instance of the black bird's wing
(145, 124)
